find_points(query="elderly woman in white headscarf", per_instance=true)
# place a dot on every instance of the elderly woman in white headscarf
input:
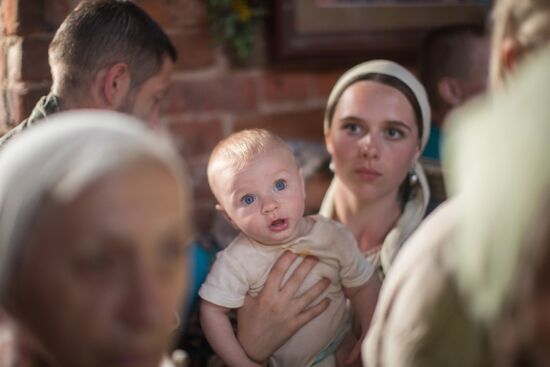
(94, 225)
(376, 124)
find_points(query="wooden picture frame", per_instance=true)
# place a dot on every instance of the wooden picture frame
(334, 31)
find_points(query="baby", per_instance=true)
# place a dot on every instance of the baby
(260, 190)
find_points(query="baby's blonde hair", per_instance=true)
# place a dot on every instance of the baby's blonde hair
(239, 149)
(524, 21)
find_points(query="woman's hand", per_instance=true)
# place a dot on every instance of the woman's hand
(267, 321)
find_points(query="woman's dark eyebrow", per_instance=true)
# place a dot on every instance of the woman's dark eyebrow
(399, 124)
(351, 118)
(396, 123)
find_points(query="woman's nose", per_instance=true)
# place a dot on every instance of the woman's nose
(369, 147)
(142, 301)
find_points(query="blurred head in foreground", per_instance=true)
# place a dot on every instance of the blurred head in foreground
(94, 226)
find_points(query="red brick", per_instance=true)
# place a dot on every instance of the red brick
(3, 62)
(26, 17)
(34, 65)
(196, 138)
(29, 99)
(202, 190)
(157, 10)
(13, 48)
(31, 18)
(289, 125)
(10, 19)
(234, 93)
(176, 14)
(324, 81)
(55, 12)
(286, 87)
(197, 170)
(5, 111)
(204, 202)
(11, 106)
(202, 193)
(193, 13)
(16, 105)
(195, 50)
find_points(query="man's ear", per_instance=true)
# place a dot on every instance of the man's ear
(450, 91)
(115, 85)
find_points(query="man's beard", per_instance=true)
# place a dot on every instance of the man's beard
(128, 105)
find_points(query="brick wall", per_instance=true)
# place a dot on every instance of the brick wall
(210, 97)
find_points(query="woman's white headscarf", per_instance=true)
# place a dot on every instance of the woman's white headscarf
(58, 159)
(416, 208)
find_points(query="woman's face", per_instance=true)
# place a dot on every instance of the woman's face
(373, 139)
(104, 275)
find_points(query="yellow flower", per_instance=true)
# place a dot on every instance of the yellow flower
(242, 9)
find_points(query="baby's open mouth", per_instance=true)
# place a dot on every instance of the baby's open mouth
(279, 224)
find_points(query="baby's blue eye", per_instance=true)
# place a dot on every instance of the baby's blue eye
(248, 199)
(280, 185)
